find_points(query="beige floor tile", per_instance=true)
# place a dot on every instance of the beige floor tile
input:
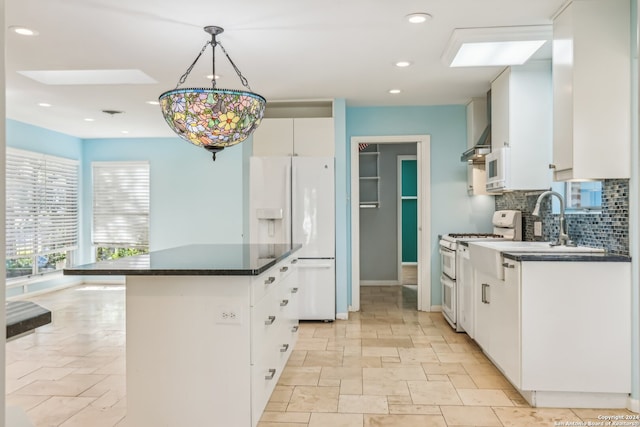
(351, 386)
(384, 388)
(56, 410)
(323, 358)
(414, 409)
(534, 417)
(390, 362)
(328, 383)
(313, 344)
(441, 347)
(437, 377)
(417, 356)
(387, 342)
(433, 393)
(464, 358)
(404, 421)
(276, 406)
(272, 424)
(336, 420)
(20, 368)
(470, 416)
(380, 352)
(462, 381)
(484, 397)
(285, 417)
(475, 368)
(281, 393)
(24, 402)
(96, 417)
(70, 385)
(400, 373)
(314, 399)
(444, 368)
(360, 404)
(343, 373)
(491, 381)
(362, 362)
(399, 400)
(300, 376)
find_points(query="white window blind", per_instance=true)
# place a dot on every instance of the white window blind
(121, 204)
(41, 204)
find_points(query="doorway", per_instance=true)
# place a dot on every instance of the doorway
(422, 144)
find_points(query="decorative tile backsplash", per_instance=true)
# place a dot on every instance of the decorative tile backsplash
(608, 229)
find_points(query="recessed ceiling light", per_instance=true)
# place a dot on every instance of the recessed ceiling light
(418, 18)
(44, 104)
(403, 64)
(23, 31)
(125, 132)
(153, 102)
(394, 91)
(502, 46)
(89, 119)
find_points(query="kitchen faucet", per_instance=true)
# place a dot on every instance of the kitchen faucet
(563, 237)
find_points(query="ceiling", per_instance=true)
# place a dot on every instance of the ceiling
(287, 49)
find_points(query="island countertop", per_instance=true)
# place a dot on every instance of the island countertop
(193, 260)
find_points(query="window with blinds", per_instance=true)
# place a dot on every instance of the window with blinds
(42, 219)
(120, 204)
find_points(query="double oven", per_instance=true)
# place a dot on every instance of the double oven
(456, 275)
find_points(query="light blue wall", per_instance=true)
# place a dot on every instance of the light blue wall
(193, 199)
(451, 209)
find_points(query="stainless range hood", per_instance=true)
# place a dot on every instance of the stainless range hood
(482, 146)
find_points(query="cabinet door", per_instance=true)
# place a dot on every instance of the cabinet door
(482, 310)
(274, 137)
(314, 137)
(505, 322)
(500, 110)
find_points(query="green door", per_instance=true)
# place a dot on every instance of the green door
(409, 201)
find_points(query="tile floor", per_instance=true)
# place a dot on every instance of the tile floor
(388, 365)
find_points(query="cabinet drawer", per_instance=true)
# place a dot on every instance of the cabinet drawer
(264, 377)
(266, 328)
(263, 284)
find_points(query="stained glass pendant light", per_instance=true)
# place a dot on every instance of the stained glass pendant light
(212, 118)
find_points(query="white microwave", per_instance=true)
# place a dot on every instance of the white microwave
(497, 167)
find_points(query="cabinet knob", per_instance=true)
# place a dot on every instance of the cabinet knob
(507, 265)
(284, 303)
(295, 261)
(284, 348)
(270, 280)
(270, 320)
(294, 290)
(272, 373)
(283, 269)
(552, 166)
(295, 328)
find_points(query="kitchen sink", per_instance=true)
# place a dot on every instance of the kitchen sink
(487, 257)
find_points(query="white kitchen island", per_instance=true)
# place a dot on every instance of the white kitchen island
(209, 329)
(558, 325)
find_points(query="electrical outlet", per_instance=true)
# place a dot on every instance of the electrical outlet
(537, 228)
(227, 314)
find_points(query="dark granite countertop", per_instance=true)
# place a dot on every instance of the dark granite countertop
(566, 256)
(193, 260)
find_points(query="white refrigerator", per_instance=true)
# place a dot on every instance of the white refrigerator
(292, 200)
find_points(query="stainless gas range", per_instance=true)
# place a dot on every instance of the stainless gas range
(456, 273)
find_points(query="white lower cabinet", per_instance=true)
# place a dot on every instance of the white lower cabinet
(559, 331)
(208, 350)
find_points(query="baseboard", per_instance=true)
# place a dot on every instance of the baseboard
(46, 290)
(633, 405)
(102, 281)
(342, 316)
(409, 264)
(379, 283)
(436, 308)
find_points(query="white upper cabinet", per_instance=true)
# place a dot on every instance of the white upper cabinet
(521, 102)
(314, 136)
(591, 90)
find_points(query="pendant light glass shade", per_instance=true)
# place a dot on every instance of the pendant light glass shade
(212, 118)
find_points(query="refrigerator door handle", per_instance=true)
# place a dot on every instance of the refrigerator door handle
(288, 179)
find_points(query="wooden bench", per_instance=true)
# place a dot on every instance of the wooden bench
(24, 316)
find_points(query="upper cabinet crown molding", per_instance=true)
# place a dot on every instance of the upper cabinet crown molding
(592, 90)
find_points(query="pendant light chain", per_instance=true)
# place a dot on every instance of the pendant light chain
(183, 78)
(243, 79)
